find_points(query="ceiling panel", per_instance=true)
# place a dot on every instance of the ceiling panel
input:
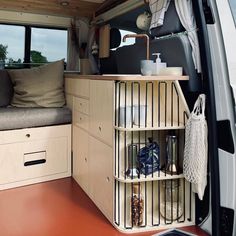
(53, 7)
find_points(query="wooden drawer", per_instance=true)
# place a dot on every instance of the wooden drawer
(81, 105)
(35, 160)
(32, 134)
(101, 110)
(32, 159)
(78, 87)
(81, 120)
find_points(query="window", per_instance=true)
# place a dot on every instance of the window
(12, 42)
(24, 45)
(232, 4)
(48, 45)
(129, 41)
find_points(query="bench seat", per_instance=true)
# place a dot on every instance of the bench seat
(19, 118)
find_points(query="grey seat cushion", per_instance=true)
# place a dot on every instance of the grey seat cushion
(18, 118)
(6, 88)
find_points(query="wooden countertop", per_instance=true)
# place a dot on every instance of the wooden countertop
(126, 77)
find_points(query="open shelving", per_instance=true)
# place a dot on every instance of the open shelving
(150, 110)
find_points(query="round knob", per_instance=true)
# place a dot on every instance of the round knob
(27, 135)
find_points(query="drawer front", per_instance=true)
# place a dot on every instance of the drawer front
(81, 120)
(81, 105)
(33, 134)
(24, 161)
(79, 87)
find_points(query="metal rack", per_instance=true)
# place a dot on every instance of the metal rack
(150, 110)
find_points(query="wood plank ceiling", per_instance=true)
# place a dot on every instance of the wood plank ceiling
(71, 8)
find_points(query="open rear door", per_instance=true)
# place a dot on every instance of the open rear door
(222, 46)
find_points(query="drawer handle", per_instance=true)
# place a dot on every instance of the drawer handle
(80, 118)
(100, 128)
(27, 135)
(85, 159)
(81, 104)
(107, 179)
(35, 162)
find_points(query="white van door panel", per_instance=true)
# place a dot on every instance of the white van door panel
(222, 38)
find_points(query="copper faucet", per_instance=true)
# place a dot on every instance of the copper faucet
(139, 36)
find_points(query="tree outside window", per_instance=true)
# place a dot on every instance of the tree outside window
(3, 55)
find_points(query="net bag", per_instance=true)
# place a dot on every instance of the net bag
(195, 150)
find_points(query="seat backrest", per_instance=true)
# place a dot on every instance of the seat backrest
(175, 50)
(171, 23)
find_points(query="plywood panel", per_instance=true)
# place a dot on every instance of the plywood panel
(52, 7)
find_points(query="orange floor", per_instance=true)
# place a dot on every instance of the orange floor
(55, 208)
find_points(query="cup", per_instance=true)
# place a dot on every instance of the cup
(142, 110)
(146, 67)
(128, 115)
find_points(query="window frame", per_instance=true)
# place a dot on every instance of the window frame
(28, 32)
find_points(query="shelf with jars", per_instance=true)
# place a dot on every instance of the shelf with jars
(150, 189)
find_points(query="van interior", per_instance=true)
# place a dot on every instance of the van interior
(117, 117)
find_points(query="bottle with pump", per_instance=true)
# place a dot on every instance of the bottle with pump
(158, 65)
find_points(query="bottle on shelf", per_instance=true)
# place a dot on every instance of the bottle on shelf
(172, 164)
(132, 171)
(137, 205)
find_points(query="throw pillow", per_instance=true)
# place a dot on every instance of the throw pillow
(6, 89)
(42, 86)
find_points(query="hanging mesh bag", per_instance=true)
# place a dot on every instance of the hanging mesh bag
(195, 150)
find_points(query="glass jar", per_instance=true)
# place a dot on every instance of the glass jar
(171, 206)
(137, 205)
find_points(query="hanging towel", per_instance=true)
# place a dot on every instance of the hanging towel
(158, 9)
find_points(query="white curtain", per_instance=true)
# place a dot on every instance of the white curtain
(185, 13)
(73, 46)
(92, 61)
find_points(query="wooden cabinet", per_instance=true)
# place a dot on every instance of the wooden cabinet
(101, 176)
(80, 157)
(151, 108)
(93, 139)
(101, 110)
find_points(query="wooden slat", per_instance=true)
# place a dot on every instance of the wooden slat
(127, 77)
(51, 7)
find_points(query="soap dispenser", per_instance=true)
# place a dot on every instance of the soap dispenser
(158, 65)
